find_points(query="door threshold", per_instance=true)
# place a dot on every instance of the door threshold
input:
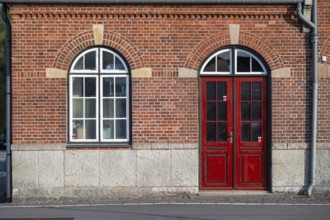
(232, 192)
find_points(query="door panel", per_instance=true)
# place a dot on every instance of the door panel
(233, 132)
(250, 117)
(216, 128)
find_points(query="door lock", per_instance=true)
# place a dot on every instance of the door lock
(231, 137)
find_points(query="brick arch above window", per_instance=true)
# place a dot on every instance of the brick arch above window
(86, 39)
(208, 45)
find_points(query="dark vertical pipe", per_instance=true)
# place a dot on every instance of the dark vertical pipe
(8, 99)
(314, 40)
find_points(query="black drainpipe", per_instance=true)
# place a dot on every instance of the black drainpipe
(8, 100)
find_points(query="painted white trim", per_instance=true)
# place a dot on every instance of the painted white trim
(114, 71)
(72, 70)
(71, 118)
(211, 57)
(252, 56)
(114, 98)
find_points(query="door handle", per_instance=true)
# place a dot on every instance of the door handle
(230, 137)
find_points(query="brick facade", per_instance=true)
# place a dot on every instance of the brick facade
(164, 38)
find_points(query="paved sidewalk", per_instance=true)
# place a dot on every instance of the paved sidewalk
(228, 197)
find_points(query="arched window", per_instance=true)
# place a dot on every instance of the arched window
(233, 61)
(99, 98)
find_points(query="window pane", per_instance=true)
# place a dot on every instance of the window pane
(256, 111)
(222, 90)
(78, 129)
(108, 129)
(108, 87)
(210, 66)
(256, 67)
(256, 91)
(90, 108)
(256, 131)
(90, 129)
(246, 132)
(108, 108)
(79, 64)
(210, 91)
(119, 65)
(222, 111)
(121, 87)
(121, 129)
(120, 108)
(108, 63)
(222, 132)
(78, 108)
(223, 62)
(90, 61)
(246, 91)
(211, 111)
(77, 87)
(245, 111)
(243, 62)
(211, 132)
(90, 87)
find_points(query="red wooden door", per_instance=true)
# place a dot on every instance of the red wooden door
(233, 133)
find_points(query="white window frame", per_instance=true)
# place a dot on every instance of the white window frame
(114, 118)
(99, 74)
(252, 56)
(216, 63)
(84, 119)
(233, 71)
(72, 70)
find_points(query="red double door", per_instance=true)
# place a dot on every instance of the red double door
(233, 133)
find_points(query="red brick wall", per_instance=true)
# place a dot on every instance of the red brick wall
(164, 38)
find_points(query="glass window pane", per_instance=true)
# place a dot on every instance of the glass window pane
(256, 131)
(108, 61)
(108, 87)
(256, 67)
(79, 64)
(77, 87)
(120, 108)
(222, 111)
(121, 87)
(108, 129)
(246, 91)
(90, 87)
(223, 62)
(256, 91)
(211, 132)
(222, 90)
(245, 111)
(121, 129)
(90, 108)
(243, 62)
(108, 108)
(210, 66)
(222, 132)
(90, 129)
(245, 132)
(211, 111)
(78, 129)
(256, 111)
(90, 60)
(210, 91)
(77, 108)
(119, 65)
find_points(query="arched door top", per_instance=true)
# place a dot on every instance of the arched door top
(234, 61)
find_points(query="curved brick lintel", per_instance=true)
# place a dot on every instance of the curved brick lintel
(97, 35)
(210, 44)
